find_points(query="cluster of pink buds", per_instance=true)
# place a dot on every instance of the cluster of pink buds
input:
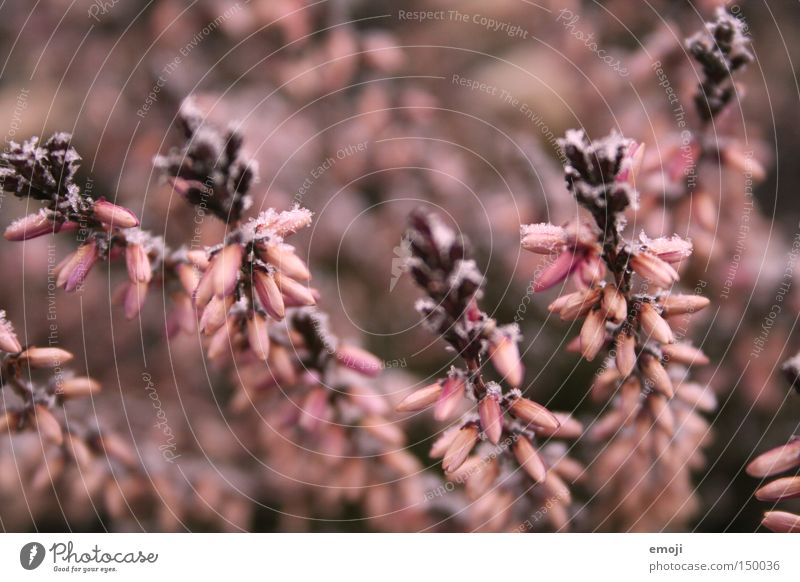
(250, 280)
(46, 173)
(503, 418)
(777, 461)
(623, 295)
(38, 402)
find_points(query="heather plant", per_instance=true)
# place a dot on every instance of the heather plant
(266, 409)
(509, 430)
(625, 300)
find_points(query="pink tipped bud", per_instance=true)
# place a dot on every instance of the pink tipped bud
(670, 249)
(114, 215)
(459, 449)
(491, 417)
(47, 424)
(682, 304)
(543, 238)
(45, 357)
(74, 271)
(215, 314)
(135, 295)
(614, 304)
(359, 360)
(294, 291)
(655, 375)
(780, 489)
(227, 265)
(269, 295)
(189, 277)
(77, 388)
(452, 394)
(441, 444)
(533, 413)
(653, 325)
(655, 270)
(138, 263)
(504, 354)
(258, 336)
(529, 459)
(221, 342)
(625, 358)
(684, 354)
(591, 270)
(8, 338)
(776, 460)
(781, 522)
(557, 271)
(593, 334)
(576, 305)
(420, 399)
(32, 226)
(284, 259)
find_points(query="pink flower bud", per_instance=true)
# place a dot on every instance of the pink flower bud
(655, 375)
(359, 360)
(269, 295)
(74, 271)
(780, 489)
(47, 424)
(215, 314)
(529, 459)
(670, 249)
(684, 354)
(294, 291)
(450, 398)
(138, 263)
(135, 296)
(45, 357)
(77, 387)
(776, 461)
(558, 270)
(491, 417)
(258, 336)
(682, 304)
(781, 522)
(614, 304)
(459, 449)
(593, 334)
(226, 267)
(533, 413)
(543, 238)
(625, 358)
(653, 325)
(32, 226)
(113, 215)
(284, 259)
(420, 399)
(653, 269)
